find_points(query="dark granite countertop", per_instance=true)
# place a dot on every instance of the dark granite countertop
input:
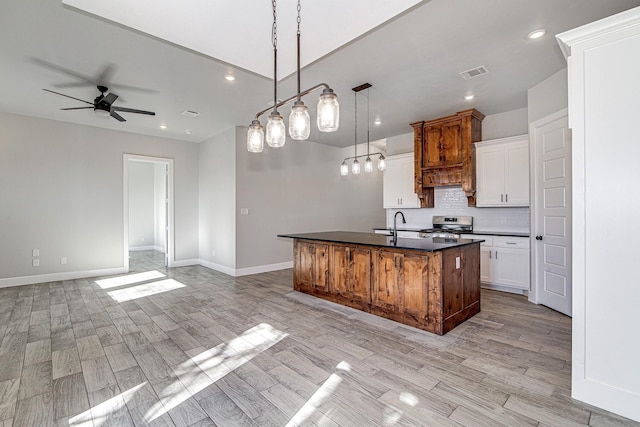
(380, 240)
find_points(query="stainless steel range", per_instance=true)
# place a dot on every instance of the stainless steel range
(449, 226)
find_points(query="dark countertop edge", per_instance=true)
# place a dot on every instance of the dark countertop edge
(403, 244)
(484, 233)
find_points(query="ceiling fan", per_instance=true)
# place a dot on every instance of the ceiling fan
(103, 105)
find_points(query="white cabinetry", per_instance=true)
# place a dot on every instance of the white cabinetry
(502, 172)
(398, 183)
(504, 263)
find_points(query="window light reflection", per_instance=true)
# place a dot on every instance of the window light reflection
(145, 290)
(129, 279)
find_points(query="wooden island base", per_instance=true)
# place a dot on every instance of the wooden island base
(434, 291)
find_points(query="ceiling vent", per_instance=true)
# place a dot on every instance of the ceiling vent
(474, 72)
(190, 113)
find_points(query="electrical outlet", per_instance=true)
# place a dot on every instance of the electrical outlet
(36, 263)
(63, 260)
(36, 252)
(244, 211)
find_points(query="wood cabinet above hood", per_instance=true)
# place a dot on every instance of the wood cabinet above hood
(444, 154)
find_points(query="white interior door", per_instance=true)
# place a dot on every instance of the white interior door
(166, 215)
(551, 212)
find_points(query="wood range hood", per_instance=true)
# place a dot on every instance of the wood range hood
(445, 154)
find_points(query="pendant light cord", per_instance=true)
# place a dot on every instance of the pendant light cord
(367, 123)
(274, 41)
(298, 36)
(355, 139)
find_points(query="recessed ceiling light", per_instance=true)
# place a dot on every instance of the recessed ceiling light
(229, 77)
(469, 97)
(188, 132)
(377, 122)
(537, 34)
(163, 126)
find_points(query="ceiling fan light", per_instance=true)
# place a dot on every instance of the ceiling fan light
(328, 111)
(344, 168)
(299, 121)
(276, 132)
(255, 137)
(382, 163)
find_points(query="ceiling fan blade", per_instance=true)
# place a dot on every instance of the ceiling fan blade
(105, 76)
(131, 110)
(110, 99)
(117, 116)
(62, 94)
(133, 88)
(77, 108)
(88, 81)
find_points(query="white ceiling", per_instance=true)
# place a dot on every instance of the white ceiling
(172, 62)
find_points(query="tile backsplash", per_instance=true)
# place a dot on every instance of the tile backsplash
(452, 201)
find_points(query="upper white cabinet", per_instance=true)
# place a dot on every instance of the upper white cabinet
(502, 172)
(398, 183)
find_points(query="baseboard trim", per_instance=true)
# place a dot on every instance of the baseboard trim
(185, 263)
(142, 248)
(263, 268)
(56, 277)
(238, 272)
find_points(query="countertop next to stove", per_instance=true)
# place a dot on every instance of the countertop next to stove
(380, 240)
(482, 232)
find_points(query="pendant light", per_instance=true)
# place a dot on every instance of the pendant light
(368, 163)
(299, 120)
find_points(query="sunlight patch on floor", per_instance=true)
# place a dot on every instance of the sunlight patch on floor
(325, 391)
(129, 279)
(204, 369)
(103, 413)
(141, 291)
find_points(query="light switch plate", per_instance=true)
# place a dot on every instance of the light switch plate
(457, 262)
(36, 252)
(244, 211)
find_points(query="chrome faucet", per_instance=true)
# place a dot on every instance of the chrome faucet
(395, 227)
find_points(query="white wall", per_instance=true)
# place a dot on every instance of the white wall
(141, 205)
(62, 193)
(548, 97)
(160, 214)
(451, 200)
(217, 220)
(603, 114)
(298, 189)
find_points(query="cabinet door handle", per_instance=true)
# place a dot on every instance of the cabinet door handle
(506, 197)
(490, 255)
(496, 254)
(501, 198)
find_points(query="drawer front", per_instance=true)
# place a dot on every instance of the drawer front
(511, 242)
(488, 240)
(439, 178)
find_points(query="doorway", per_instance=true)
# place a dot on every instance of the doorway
(551, 212)
(148, 206)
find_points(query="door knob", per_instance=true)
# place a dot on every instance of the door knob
(538, 237)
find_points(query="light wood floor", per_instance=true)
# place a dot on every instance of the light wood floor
(190, 346)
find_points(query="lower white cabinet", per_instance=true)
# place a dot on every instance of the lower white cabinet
(504, 262)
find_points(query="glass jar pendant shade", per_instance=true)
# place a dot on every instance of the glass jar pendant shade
(355, 167)
(328, 111)
(299, 121)
(276, 132)
(382, 164)
(255, 137)
(368, 165)
(344, 169)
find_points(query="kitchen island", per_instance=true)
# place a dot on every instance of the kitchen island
(431, 283)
